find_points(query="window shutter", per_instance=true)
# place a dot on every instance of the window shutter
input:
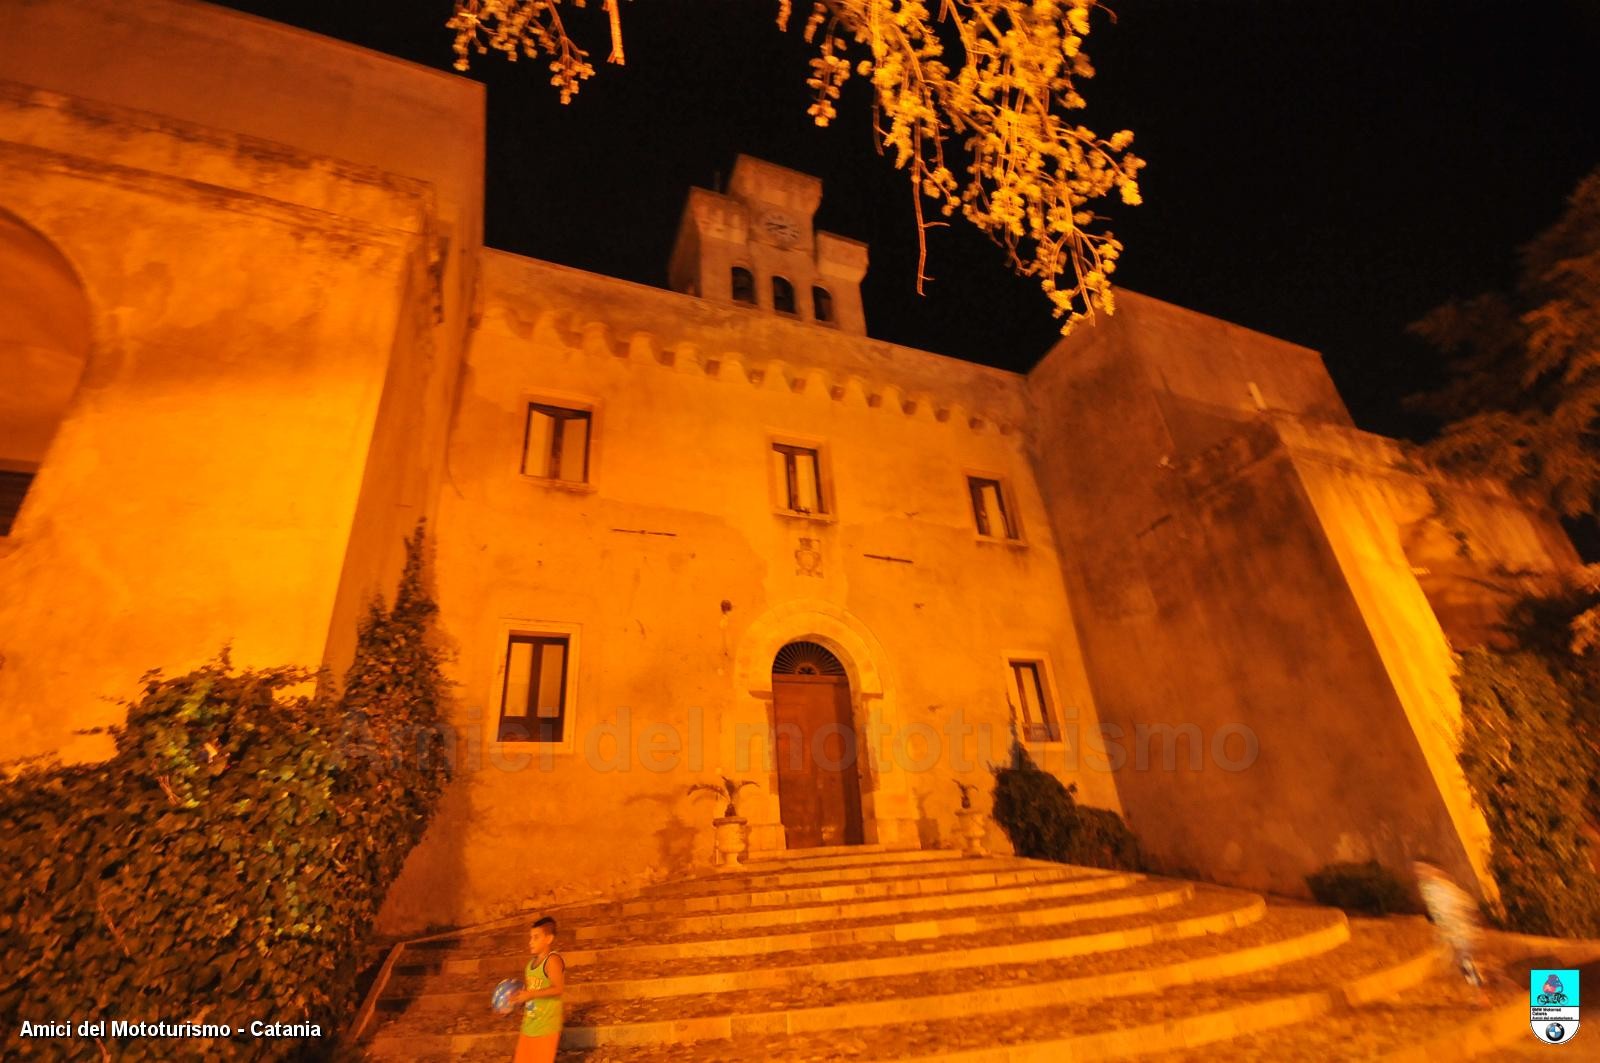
(574, 449)
(540, 440)
(519, 672)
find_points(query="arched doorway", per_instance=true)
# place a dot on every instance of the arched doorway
(814, 741)
(44, 346)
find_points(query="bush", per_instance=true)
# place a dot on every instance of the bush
(1043, 821)
(1529, 770)
(1368, 888)
(228, 862)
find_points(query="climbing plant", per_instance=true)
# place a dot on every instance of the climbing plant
(1044, 821)
(1530, 772)
(227, 863)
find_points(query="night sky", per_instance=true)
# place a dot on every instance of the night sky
(1324, 173)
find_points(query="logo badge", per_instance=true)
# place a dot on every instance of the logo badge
(1553, 1005)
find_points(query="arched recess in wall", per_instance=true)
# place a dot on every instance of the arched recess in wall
(44, 346)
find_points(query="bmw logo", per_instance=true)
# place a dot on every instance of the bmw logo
(1554, 1032)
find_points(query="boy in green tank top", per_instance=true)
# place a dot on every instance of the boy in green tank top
(545, 977)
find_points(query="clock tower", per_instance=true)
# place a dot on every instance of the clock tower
(755, 245)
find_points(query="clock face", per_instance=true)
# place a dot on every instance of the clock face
(780, 228)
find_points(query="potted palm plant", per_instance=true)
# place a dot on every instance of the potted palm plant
(974, 824)
(732, 837)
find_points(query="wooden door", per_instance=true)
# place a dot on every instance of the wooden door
(819, 789)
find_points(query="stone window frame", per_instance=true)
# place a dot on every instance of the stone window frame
(779, 491)
(1055, 717)
(1008, 501)
(571, 709)
(564, 400)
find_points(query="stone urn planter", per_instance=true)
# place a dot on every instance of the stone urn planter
(732, 839)
(972, 824)
(974, 830)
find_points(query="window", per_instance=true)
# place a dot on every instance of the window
(556, 444)
(989, 509)
(799, 478)
(744, 286)
(822, 304)
(533, 703)
(782, 296)
(1035, 719)
(13, 486)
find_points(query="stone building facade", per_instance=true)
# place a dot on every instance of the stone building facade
(249, 334)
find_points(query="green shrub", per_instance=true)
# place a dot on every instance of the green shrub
(1368, 888)
(1043, 821)
(1529, 770)
(228, 862)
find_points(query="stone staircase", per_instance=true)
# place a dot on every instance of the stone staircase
(864, 954)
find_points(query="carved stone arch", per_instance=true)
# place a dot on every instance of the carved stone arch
(45, 336)
(886, 804)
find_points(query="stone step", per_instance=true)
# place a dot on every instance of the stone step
(849, 856)
(1377, 962)
(801, 915)
(1213, 911)
(1286, 934)
(1441, 1016)
(742, 881)
(827, 852)
(906, 885)
(648, 948)
(615, 931)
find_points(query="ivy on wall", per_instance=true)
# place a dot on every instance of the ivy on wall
(227, 864)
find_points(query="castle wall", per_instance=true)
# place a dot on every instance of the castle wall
(299, 97)
(200, 490)
(679, 518)
(1215, 594)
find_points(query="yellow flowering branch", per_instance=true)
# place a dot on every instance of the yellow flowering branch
(995, 79)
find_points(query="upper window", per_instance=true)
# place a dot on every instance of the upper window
(744, 286)
(989, 510)
(1036, 720)
(782, 295)
(533, 702)
(556, 444)
(799, 478)
(822, 304)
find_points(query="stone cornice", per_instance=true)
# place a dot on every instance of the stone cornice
(139, 148)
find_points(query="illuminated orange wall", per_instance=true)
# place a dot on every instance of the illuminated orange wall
(275, 236)
(681, 517)
(1236, 554)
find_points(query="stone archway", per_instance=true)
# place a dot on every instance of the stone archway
(44, 347)
(887, 816)
(816, 754)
